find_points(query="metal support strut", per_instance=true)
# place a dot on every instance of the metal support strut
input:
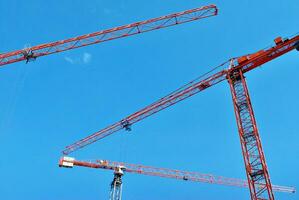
(255, 164)
(116, 184)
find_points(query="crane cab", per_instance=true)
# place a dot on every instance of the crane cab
(119, 170)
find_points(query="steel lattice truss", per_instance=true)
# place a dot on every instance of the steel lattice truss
(252, 61)
(32, 53)
(116, 187)
(149, 110)
(165, 173)
(255, 164)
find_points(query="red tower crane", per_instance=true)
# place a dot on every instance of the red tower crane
(32, 53)
(255, 164)
(120, 168)
(254, 159)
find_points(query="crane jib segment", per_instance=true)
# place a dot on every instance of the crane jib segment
(32, 53)
(150, 110)
(69, 162)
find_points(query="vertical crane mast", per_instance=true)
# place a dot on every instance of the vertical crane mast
(32, 53)
(255, 164)
(116, 184)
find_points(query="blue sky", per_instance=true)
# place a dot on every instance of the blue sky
(50, 103)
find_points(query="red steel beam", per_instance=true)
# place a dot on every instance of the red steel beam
(254, 159)
(244, 63)
(165, 173)
(163, 103)
(110, 34)
(254, 60)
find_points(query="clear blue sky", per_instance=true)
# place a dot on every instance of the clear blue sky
(50, 103)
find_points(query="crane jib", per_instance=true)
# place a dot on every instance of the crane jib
(31, 53)
(69, 162)
(252, 61)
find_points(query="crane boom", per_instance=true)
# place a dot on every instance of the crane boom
(69, 162)
(244, 63)
(161, 104)
(109, 34)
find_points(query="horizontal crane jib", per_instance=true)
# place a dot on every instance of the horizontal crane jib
(107, 35)
(69, 162)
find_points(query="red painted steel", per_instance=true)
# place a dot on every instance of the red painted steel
(149, 110)
(32, 53)
(250, 61)
(169, 173)
(266, 55)
(255, 163)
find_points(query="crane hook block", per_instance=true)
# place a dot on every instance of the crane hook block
(126, 125)
(29, 56)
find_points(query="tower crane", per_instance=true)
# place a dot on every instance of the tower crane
(31, 53)
(235, 68)
(255, 164)
(120, 168)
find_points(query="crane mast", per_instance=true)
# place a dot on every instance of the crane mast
(31, 53)
(254, 159)
(116, 184)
